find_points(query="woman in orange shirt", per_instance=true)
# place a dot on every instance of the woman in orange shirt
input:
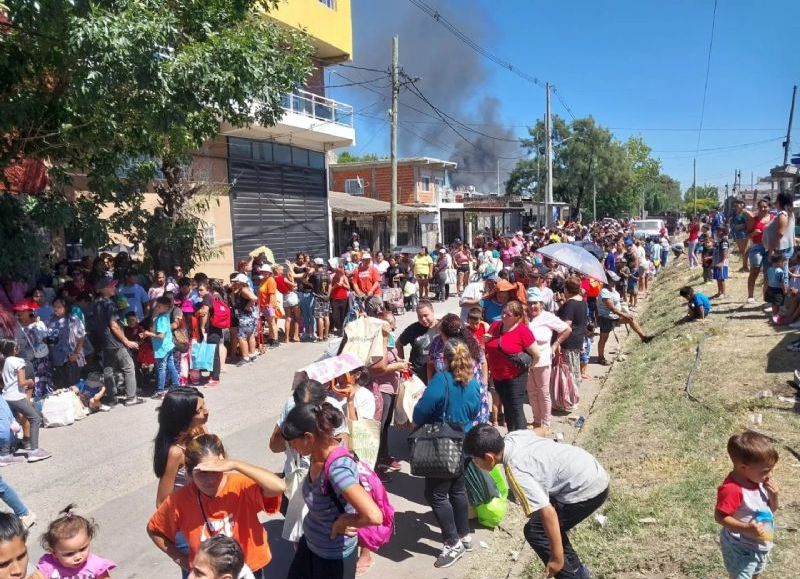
(223, 498)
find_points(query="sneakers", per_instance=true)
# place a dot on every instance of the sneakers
(776, 320)
(383, 476)
(28, 520)
(467, 542)
(647, 339)
(104, 408)
(24, 445)
(7, 459)
(211, 383)
(449, 555)
(159, 395)
(751, 300)
(390, 464)
(38, 454)
(133, 401)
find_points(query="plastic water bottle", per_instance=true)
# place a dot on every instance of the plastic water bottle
(765, 518)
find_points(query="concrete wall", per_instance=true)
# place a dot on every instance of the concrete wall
(330, 30)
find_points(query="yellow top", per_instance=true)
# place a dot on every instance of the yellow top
(422, 265)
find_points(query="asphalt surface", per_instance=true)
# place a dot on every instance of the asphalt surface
(104, 464)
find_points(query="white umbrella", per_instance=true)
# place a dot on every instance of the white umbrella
(576, 258)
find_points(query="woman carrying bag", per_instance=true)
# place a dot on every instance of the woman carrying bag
(452, 397)
(511, 351)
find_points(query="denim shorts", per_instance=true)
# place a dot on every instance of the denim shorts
(757, 256)
(741, 562)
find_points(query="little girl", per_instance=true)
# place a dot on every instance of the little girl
(13, 551)
(220, 557)
(67, 541)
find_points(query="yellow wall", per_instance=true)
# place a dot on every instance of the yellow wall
(331, 30)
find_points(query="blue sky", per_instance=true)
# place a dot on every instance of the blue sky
(638, 67)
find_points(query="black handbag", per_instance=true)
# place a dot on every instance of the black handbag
(522, 360)
(437, 450)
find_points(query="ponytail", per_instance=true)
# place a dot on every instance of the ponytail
(321, 420)
(459, 361)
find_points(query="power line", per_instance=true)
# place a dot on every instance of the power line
(721, 148)
(708, 72)
(363, 68)
(453, 29)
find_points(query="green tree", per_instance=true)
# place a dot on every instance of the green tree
(122, 92)
(662, 195)
(584, 155)
(348, 157)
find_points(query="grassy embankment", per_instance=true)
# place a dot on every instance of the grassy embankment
(666, 453)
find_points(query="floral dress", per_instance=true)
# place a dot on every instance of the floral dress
(436, 354)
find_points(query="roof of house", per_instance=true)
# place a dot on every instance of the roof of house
(357, 204)
(427, 161)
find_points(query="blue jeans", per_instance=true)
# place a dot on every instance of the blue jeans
(9, 497)
(164, 366)
(307, 311)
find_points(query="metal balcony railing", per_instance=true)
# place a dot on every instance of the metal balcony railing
(324, 109)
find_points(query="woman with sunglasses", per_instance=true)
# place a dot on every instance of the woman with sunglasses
(223, 497)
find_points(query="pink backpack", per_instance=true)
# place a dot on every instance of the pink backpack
(563, 392)
(373, 538)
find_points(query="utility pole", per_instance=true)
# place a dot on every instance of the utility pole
(694, 185)
(498, 177)
(788, 140)
(395, 94)
(548, 129)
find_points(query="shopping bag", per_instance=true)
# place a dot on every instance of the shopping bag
(408, 394)
(490, 514)
(365, 438)
(203, 356)
(365, 340)
(180, 340)
(563, 392)
(81, 411)
(57, 410)
(452, 276)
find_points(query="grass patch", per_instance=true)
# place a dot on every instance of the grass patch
(666, 454)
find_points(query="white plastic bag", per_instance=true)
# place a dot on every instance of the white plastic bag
(58, 410)
(408, 394)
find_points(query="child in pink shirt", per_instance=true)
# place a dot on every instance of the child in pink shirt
(68, 542)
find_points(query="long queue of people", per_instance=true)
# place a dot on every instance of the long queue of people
(522, 319)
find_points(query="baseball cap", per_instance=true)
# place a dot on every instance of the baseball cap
(365, 255)
(319, 261)
(105, 282)
(240, 278)
(26, 306)
(535, 295)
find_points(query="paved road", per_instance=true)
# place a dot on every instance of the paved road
(103, 464)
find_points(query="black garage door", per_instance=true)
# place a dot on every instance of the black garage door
(284, 207)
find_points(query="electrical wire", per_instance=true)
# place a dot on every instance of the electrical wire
(708, 72)
(363, 68)
(453, 29)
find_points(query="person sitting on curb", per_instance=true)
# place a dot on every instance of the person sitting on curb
(557, 486)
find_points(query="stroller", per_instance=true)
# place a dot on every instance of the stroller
(393, 300)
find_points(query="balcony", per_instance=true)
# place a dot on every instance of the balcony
(317, 107)
(309, 120)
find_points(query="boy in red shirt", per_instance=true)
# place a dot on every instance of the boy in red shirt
(745, 503)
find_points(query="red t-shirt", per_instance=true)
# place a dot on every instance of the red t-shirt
(478, 332)
(694, 231)
(283, 287)
(366, 278)
(513, 342)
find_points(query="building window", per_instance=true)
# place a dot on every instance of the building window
(354, 186)
(316, 160)
(329, 3)
(210, 234)
(299, 157)
(426, 183)
(282, 154)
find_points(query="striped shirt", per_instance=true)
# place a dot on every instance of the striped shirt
(323, 512)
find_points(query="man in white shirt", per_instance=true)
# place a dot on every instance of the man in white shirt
(557, 486)
(473, 293)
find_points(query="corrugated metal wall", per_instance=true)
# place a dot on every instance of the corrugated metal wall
(280, 206)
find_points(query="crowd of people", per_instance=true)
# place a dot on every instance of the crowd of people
(523, 336)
